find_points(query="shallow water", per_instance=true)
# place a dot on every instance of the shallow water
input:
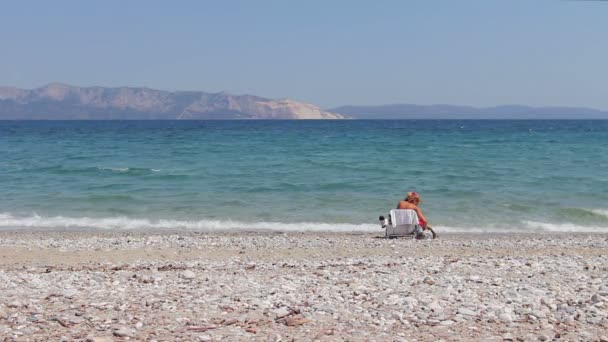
(303, 175)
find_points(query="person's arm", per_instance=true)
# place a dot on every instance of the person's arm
(421, 216)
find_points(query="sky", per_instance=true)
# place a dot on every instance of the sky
(330, 53)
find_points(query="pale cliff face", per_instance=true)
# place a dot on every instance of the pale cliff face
(289, 109)
(56, 91)
(282, 109)
(58, 101)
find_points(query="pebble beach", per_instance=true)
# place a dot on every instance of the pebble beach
(274, 286)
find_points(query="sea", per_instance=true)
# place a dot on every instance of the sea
(334, 176)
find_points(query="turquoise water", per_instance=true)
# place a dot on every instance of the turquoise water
(303, 175)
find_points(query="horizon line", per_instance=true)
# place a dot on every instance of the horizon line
(324, 108)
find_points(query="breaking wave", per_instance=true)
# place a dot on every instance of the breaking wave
(564, 227)
(9, 222)
(61, 223)
(600, 212)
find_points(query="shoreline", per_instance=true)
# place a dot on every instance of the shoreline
(322, 286)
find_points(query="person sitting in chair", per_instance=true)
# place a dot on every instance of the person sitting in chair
(412, 201)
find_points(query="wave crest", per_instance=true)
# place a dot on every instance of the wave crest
(37, 222)
(8, 221)
(597, 214)
(600, 212)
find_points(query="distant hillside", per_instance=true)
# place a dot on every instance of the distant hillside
(410, 111)
(63, 102)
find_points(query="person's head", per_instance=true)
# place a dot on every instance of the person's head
(413, 198)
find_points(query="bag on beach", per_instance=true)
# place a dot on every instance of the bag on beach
(422, 234)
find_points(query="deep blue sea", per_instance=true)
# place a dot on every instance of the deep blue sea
(303, 175)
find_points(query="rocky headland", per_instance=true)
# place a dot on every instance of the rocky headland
(63, 102)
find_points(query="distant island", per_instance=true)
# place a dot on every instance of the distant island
(411, 111)
(58, 101)
(63, 102)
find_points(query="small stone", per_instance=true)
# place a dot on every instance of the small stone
(70, 293)
(147, 280)
(446, 322)
(76, 320)
(496, 281)
(422, 316)
(475, 279)
(15, 304)
(429, 281)
(230, 321)
(282, 311)
(603, 338)
(548, 328)
(466, 312)
(293, 321)
(122, 332)
(410, 300)
(99, 339)
(538, 314)
(187, 274)
(507, 337)
(493, 339)
(435, 307)
(595, 320)
(505, 317)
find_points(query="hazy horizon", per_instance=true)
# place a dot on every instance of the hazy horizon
(335, 107)
(470, 53)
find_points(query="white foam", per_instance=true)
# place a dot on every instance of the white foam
(525, 227)
(601, 212)
(8, 221)
(473, 229)
(114, 169)
(37, 222)
(563, 227)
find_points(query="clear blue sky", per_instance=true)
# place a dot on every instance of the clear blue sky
(482, 53)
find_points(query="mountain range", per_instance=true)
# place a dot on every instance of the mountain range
(58, 101)
(63, 102)
(411, 111)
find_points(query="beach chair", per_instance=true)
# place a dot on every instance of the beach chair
(401, 223)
